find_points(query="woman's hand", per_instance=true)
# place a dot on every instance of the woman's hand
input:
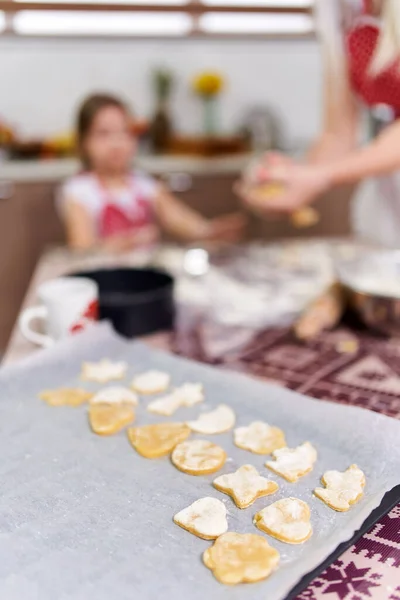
(228, 228)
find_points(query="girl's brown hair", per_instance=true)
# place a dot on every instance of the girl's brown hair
(86, 116)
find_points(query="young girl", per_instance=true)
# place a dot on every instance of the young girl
(110, 205)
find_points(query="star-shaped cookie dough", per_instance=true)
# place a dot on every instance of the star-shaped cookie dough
(245, 486)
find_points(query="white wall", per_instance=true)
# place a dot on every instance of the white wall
(41, 81)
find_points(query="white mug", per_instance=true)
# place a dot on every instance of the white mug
(68, 304)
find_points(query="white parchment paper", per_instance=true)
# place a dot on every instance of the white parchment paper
(85, 517)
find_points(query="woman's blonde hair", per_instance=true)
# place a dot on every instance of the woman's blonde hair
(332, 16)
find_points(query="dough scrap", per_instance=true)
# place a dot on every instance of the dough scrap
(103, 371)
(220, 420)
(65, 397)
(151, 382)
(342, 489)
(188, 395)
(198, 457)
(259, 438)
(245, 486)
(205, 518)
(293, 463)
(287, 520)
(107, 419)
(241, 558)
(154, 441)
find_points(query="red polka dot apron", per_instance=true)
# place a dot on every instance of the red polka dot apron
(115, 220)
(376, 212)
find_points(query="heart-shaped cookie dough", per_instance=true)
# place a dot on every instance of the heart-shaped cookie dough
(241, 558)
(342, 490)
(259, 438)
(287, 520)
(245, 486)
(198, 457)
(65, 397)
(154, 441)
(205, 518)
(112, 409)
(220, 420)
(293, 463)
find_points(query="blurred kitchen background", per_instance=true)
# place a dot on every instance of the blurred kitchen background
(150, 52)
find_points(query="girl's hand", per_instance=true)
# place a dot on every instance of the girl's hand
(228, 228)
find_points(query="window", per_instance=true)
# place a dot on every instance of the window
(156, 18)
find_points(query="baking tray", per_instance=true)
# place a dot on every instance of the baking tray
(86, 517)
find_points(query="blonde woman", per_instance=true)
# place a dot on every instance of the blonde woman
(360, 41)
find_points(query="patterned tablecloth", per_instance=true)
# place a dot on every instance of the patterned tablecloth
(368, 377)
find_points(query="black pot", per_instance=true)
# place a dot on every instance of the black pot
(136, 301)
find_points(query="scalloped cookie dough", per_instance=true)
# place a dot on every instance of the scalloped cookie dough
(245, 486)
(287, 520)
(112, 409)
(259, 438)
(220, 420)
(241, 558)
(154, 441)
(65, 397)
(205, 518)
(293, 463)
(198, 457)
(151, 382)
(342, 489)
(103, 371)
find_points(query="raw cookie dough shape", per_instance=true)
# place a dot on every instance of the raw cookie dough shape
(287, 520)
(103, 371)
(188, 395)
(245, 486)
(154, 441)
(112, 409)
(241, 558)
(151, 382)
(220, 420)
(259, 438)
(342, 490)
(65, 397)
(198, 457)
(293, 463)
(205, 518)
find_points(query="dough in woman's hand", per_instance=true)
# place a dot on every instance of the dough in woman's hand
(342, 490)
(65, 397)
(112, 409)
(245, 486)
(103, 371)
(293, 463)
(259, 438)
(198, 457)
(154, 441)
(287, 520)
(151, 382)
(205, 518)
(220, 420)
(241, 558)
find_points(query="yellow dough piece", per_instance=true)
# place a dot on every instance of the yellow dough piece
(151, 382)
(198, 457)
(287, 520)
(103, 371)
(220, 420)
(107, 419)
(259, 438)
(154, 441)
(205, 518)
(342, 490)
(65, 397)
(304, 217)
(241, 558)
(245, 486)
(293, 463)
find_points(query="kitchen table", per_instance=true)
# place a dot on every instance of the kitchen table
(368, 377)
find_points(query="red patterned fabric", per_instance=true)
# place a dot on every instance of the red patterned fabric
(370, 377)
